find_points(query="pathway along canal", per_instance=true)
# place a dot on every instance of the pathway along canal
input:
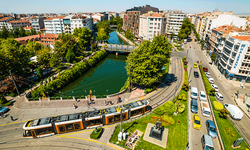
(106, 77)
(115, 39)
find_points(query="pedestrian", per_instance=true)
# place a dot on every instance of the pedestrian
(74, 106)
(11, 118)
(106, 102)
(88, 102)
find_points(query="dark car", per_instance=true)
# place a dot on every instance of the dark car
(211, 128)
(205, 69)
(196, 74)
(194, 106)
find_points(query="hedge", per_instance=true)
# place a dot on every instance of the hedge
(95, 135)
(217, 106)
(68, 75)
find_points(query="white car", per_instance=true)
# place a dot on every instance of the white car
(207, 74)
(202, 96)
(219, 96)
(211, 80)
(215, 87)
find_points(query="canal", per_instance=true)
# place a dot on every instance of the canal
(106, 77)
(115, 39)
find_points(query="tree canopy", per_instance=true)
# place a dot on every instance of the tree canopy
(147, 60)
(84, 36)
(186, 28)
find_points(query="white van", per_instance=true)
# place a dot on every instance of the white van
(219, 96)
(194, 93)
(205, 109)
(211, 80)
(235, 112)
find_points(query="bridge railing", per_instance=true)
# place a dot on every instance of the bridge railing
(117, 47)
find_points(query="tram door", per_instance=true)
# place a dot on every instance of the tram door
(33, 133)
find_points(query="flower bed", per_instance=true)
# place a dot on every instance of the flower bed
(96, 134)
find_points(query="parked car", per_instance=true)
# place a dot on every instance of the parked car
(3, 109)
(219, 96)
(195, 65)
(211, 130)
(196, 121)
(207, 142)
(215, 87)
(235, 112)
(196, 74)
(205, 69)
(202, 96)
(194, 93)
(207, 74)
(194, 106)
(211, 80)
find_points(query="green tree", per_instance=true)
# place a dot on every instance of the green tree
(43, 57)
(11, 34)
(147, 60)
(70, 56)
(5, 33)
(129, 34)
(3, 100)
(202, 44)
(55, 60)
(185, 29)
(94, 47)
(33, 47)
(172, 35)
(33, 32)
(84, 36)
(213, 57)
(119, 28)
(102, 35)
(65, 42)
(22, 32)
(39, 72)
(28, 33)
(16, 33)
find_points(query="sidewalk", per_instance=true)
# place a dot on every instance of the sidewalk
(244, 106)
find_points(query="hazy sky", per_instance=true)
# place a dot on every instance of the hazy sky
(65, 6)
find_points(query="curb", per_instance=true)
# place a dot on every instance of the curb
(241, 108)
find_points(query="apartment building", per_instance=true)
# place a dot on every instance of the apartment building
(17, 24)
(67, 24)
(174, 22)
(81, 21)
(99, 17)
(54, 25)
(132, 17)
(151, 25)
(235, 60)
(4, 21)
(37, 23)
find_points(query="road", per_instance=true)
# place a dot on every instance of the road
(194, 134)
(225, 88)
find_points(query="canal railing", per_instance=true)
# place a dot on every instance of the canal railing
(117, 47)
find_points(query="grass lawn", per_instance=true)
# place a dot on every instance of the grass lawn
(227, 131)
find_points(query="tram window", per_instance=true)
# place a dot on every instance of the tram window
(77, 126)
(94, 122)
(62, 128)
(136, 112)
(43, 131)
(117, 117)
(111, 119)
(124, 117)
(69, 127)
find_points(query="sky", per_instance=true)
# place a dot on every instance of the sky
(73, 6)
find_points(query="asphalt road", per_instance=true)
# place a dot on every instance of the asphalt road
(194, 134)
(227, 90)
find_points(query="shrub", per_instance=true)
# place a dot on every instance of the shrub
(217, 106)
(180, 107)
(160, 110)
(185, 87)
(184, 97)
(166, 120)
(223, 113)
(96, 133)
(150, 89)
(184, 59)
(179, 97)
(169, 107)
(212, 92)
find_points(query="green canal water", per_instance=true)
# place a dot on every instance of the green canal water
(106, 77)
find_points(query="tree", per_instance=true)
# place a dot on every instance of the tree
(39, 72)
(28, 33)
(70, 56)
(94, 47)
(11, 34)
(202, 44)
(172, 35)
(213, 57)
(186, 28)
(16, 33)
(65, 42)
(33, 31)
(54, 60)
(5, 33)
(119, 28)
(22, 32)
(102, 35)
(129, 34)
(33, 47)
(147, 60)
(7, 84)
(84, 36)
(3, 100)
(43, 57)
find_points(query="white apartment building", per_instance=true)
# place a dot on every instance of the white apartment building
(235, 60)
(67, 24)
(81, 21)
(54, 25)
(151, 25)
(3, 22)
(174, 22)
(37, 23)
(99, 17)
(17, 24)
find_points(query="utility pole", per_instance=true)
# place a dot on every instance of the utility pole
(243, 84)
(14, 83)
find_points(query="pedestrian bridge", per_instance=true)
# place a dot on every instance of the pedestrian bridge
(118, 48)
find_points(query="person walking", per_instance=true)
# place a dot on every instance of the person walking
(74, 106)
(11, 117)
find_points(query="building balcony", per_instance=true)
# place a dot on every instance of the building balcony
(244, 68)
(246, 61)
(247, 53)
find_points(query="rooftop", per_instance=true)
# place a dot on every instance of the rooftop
(5, 18)
(243, 38)
(18, 21)
(153, 14)
(59, 17)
